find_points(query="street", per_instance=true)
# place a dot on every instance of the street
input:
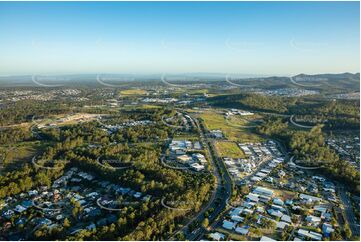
(217, 194)
(350, 217)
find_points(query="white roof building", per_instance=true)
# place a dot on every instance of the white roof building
(263, 191)
(242, 230)
(310, 198)
(275, 213)
(265, 238)
(278, 201)
(184, 158)
(309, 234)
(197, 167)
(19, 209)
(261, 174)
(281, 225)
(256, 178)
(313, 219)
(236, 211)
(286, 218)
(228, 225)
(237, 218)
(253, 197)
(217, 236)
(327, 229)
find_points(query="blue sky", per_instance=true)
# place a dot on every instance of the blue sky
(262, 38)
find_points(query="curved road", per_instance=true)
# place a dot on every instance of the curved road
(299, 125)
(303, 85)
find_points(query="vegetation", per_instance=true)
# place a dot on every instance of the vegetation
(72, 143)
(214, 120)
(133, 92)
(310, 148)
(335, 114)
(228, 149)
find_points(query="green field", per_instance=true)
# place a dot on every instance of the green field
(197, 91)
(133, 92)
(243, 120)
(214, 120)
(21, 153)
(228, 149)
(186, 136)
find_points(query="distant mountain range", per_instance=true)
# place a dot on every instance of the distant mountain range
(347, 82)
(329, 77)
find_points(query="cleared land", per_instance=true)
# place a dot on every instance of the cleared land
(283, 194)
(131, 92)
(244, 120)
(16, 156)
(214, 120)
(228, 149)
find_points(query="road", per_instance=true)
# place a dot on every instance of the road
(303, 85)
(219, 211)
(170, 125)
(299, 125)
(347, 207)
(304, 167)
(223, 196)
(218, 198)
(198, 233)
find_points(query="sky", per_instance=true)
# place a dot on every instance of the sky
(257, 38)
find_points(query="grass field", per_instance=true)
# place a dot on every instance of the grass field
(133, 92)
(243, 120)
(228, 149)
(197, 91)
(139, 107)
(148, 106)
(21, 153)
(184, 136)
(214, 120)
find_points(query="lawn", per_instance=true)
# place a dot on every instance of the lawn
(228, 149)
(215, 120)
(132, 92)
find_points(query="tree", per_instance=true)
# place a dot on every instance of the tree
(180, 236)
(75, 212)
(256, 231)
(66, 223)
(268, 224)
(205, 223)
(347, 231)
(244, 190)
(336, 235)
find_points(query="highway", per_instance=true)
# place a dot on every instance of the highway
(219, 197)
(223, 198)
(347, 207)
